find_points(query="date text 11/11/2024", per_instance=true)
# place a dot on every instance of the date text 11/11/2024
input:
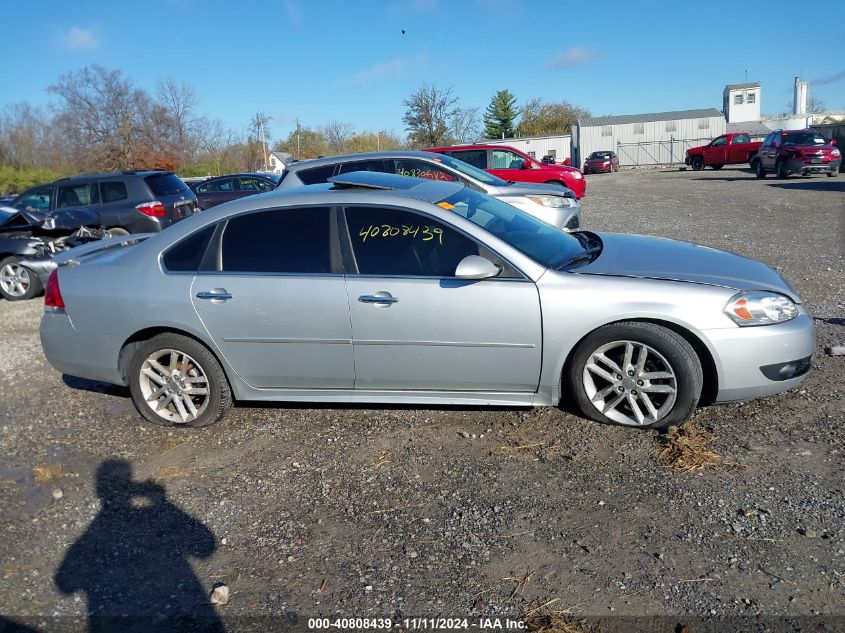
(417, 624)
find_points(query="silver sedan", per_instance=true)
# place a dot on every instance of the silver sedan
(386, 289)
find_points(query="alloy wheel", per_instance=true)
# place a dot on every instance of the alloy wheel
(630, 383)
(174, 386)
(15, 279)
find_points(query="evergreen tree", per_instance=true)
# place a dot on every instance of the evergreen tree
(500, 115)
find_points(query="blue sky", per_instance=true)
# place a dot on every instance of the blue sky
(348, 60)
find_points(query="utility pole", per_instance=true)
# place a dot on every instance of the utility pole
(298, 147)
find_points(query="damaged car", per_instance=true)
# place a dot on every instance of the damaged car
(30, 239)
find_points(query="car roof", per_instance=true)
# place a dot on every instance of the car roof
(115, 174)
(246, 174)
(342, 158)
(462, 147)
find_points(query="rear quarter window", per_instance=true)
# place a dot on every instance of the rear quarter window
(316, 175)
(165, 184)
(186, 255)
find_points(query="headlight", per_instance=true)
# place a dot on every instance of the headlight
(552, 201)
(758, 307)
(835, 152)
(576, 175)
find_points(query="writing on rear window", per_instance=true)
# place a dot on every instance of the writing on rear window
(426, 233)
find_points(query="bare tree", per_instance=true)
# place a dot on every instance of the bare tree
(337, 135)
(428, 110)
(180, 102)
(816, 105)
(259, 128)
(465, 125)
(217, 142)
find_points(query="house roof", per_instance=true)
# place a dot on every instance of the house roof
(283, 157)
(677, 115)
(753, 84)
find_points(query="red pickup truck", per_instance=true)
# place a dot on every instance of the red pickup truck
(728, 149)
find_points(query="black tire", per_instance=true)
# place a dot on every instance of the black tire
(717, 167)
(759, 170)
(27, 286)
(832, 174)
(697, 163)
(680, 355)
(781, 170)
(219, 396)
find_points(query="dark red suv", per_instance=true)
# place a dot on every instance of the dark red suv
(511, 164)
(802, 152)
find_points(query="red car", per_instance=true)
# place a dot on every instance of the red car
(600, 162)
(728, 149)
(511, 164)
(802, 152)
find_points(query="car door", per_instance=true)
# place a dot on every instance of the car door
(715, 153)
(217, 191)
(275, 301)
(738, 148)
(508, 165)
(114, 207)
(417, 327)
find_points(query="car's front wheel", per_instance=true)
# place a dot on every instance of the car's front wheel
(781, 169)
(759, 170)
(697, 163)
(17, 282)
(635, 374)
(175, 381)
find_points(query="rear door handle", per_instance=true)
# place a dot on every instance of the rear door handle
(219, 294)
(381, 297)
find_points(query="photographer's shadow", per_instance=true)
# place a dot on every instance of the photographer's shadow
(132, 562)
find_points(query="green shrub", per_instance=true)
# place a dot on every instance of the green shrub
(14, 180)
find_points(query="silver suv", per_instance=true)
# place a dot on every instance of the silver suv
(553, 204)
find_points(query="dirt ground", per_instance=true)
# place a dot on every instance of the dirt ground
(399, 513)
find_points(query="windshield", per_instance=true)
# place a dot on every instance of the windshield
(597, 155)
(165, 184)
(544, 243)
(803, 138)
(473, 172)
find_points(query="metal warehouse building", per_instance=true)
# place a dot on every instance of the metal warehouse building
(646, 139)
(537, 146)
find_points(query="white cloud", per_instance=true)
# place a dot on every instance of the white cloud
(383, 71)
(294, 13)
(574, 56)
(78, 39)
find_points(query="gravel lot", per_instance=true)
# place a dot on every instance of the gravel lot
(400, 512)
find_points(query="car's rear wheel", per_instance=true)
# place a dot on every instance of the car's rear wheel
(717, 167)
(759, 170)
(635, 374)
(781, 169)
(697, 163)
(175, 381)
(17, 282)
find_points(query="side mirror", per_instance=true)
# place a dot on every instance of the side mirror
(833, 141)
(476, 267)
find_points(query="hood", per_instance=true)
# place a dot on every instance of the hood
(810, 149)
(661, 258)
(58, 220)
(533, 189)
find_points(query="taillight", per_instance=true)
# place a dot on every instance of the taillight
(153, 209)
(52, 294)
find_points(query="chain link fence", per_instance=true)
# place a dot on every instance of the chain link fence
(669, 152)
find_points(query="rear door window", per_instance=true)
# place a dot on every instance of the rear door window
(475, 157)
(278, 241)
(113, 191)
(221, 184)
(316, 175)
(392, 242)
(251, 183)
(166, 184)
(741, 138)
(75, 195)
(377, 164)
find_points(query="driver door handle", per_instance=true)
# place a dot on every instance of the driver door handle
(219, 294)
(379, 297)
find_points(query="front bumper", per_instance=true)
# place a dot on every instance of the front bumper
(798, 166)
(597, 169)
(762, 360)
